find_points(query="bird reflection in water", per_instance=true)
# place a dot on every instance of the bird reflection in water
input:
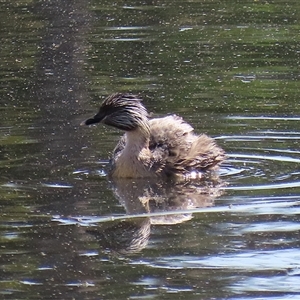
(159, 202)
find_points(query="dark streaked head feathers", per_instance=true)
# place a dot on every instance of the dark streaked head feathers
(123, 111)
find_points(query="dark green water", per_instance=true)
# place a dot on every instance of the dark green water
(230, 68)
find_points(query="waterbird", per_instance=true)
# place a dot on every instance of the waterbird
(155, 147)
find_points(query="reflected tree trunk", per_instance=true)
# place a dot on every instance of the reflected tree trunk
(60, 91)
(60, 88)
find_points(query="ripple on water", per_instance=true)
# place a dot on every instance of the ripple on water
(279, 284)
(263, 161)
(275, 260)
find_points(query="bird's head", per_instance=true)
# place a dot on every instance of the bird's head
(123, 111)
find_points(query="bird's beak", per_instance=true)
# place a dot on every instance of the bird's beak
(96, 119)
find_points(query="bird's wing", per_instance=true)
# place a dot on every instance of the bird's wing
(174, 143)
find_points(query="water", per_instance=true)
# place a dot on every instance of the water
(230, 69)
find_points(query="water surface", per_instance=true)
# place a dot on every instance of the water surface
(230, 69)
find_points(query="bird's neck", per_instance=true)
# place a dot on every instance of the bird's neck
(136, 141)
(135, 159)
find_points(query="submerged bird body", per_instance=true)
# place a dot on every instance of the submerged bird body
(160, 147)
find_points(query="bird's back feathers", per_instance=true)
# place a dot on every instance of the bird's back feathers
(175, 149)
